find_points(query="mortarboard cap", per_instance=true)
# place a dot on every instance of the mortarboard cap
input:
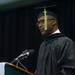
(47, 10)
(47, 13)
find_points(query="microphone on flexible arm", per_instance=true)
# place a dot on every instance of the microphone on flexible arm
(23, 55)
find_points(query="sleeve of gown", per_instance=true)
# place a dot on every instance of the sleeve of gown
(68, 63)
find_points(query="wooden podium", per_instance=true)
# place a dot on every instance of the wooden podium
(11, 69)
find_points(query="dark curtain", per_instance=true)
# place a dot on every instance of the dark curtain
(67, 9)
(18, 33)
(15, 26)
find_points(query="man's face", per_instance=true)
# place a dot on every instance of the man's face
(50, 24)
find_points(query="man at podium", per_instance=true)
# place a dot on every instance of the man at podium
(57, 52)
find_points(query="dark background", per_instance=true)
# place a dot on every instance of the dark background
(18, 29)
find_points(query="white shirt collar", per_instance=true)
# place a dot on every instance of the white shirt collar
(57, 31)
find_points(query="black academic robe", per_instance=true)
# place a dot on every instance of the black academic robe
(56, 56)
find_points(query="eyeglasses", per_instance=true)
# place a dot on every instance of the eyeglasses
(42, 21)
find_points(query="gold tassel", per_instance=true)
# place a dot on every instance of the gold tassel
(45, 19)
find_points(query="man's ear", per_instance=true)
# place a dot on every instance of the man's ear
(54, 22)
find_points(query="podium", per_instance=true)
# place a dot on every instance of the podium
(11, 69)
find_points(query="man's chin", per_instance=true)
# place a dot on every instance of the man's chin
(43, 33)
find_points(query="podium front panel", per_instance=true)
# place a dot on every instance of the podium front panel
(9, 70)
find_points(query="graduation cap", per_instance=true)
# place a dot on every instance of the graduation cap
(46, 10)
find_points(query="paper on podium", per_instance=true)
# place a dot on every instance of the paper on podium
(2, 65)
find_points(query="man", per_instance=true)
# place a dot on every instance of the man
(57, 52)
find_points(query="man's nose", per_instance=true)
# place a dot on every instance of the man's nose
(40, 24)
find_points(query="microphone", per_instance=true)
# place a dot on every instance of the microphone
(24, 54)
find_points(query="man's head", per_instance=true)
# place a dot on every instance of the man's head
(52, 23)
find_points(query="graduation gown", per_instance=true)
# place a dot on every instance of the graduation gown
(56, 56)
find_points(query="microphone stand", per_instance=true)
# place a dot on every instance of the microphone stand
(18, 62)
(25, 54)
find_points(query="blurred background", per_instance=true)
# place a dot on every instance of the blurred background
(18, 29)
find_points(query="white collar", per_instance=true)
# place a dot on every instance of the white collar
(57, 31)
